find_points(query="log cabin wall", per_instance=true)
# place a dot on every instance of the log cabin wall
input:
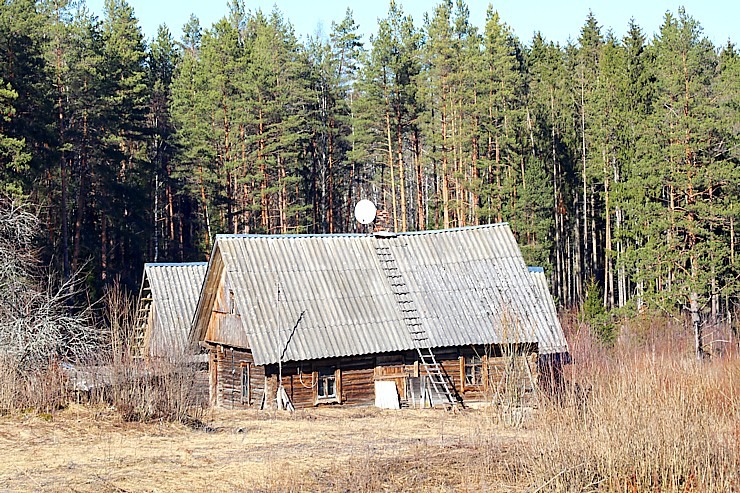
(354, 382)
(235, 381)
(200, 391)
(485, 374)
(354, 378)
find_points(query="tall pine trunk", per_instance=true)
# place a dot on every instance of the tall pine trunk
(401, 173)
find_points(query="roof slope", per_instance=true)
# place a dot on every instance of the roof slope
(470, 286)
(551, 340)
(175, 290)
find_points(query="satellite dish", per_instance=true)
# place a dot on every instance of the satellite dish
(365, 211)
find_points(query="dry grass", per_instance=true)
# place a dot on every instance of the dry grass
(92, 449)
(643, 416)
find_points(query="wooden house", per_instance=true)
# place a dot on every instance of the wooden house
(392, 319)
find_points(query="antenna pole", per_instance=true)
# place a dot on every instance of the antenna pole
(280, 390)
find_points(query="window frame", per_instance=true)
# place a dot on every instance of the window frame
(246, 388)
(327, 374)
(473, 362)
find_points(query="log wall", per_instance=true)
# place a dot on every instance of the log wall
(355, 377)
(227, 366)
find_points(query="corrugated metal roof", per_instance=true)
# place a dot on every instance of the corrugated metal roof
(551, 339)
(175, 290)
(470, 286)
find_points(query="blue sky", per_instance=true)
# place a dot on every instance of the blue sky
(558, 21)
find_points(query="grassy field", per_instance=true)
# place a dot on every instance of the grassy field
(83, 449)
(643, 416)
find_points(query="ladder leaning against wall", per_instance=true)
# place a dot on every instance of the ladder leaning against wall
(438, 380)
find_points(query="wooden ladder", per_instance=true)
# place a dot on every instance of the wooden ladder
(142, 318)
(439, 381)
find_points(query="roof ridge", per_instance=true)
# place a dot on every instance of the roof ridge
(356, 235)
(173, 264)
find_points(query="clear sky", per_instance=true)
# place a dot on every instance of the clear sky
(558, 21)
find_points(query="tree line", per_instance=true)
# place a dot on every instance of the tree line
(615, 160)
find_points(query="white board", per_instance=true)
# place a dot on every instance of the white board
(386, 395)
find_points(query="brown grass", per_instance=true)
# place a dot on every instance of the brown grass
(43, 389)
(93, 449)
(643, 416)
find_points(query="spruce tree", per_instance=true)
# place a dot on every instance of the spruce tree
(162, 58)
(121, 178)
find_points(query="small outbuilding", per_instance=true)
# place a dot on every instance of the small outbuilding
(168, 297)
(167, 301)
(407, 319)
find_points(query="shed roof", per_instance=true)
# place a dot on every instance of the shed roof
(175, 290)
(469, 285)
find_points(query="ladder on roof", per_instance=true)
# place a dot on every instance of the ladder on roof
(437, 378)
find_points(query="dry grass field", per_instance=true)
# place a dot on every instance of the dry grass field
(643, 416)
(83, 449)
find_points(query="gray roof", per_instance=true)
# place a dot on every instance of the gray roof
(552, 340)
(469, 285)
(175, 290)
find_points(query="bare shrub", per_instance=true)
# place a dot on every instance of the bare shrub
(155, 391)
(38, 325)
(51, 349)
(144, 389)
(40, 328)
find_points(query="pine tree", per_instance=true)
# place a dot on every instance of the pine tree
(697, 181)
(502, 98)
(85, 117)
(195, 166)
(26, 82)
(163, 57)
(390, 94)
(728, 149)
(14, 158)
(347, 50)
(335, 63)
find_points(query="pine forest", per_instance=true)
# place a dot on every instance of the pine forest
(616, 161)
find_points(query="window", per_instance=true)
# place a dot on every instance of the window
(246, 392)
(232, 303)
(326, 386)
(473, 371)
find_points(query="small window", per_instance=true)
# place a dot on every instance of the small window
(246, 394)
(473, 371)
(232, 303)
(326, 387)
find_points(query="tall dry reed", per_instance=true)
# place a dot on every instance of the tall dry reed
(643, 415)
